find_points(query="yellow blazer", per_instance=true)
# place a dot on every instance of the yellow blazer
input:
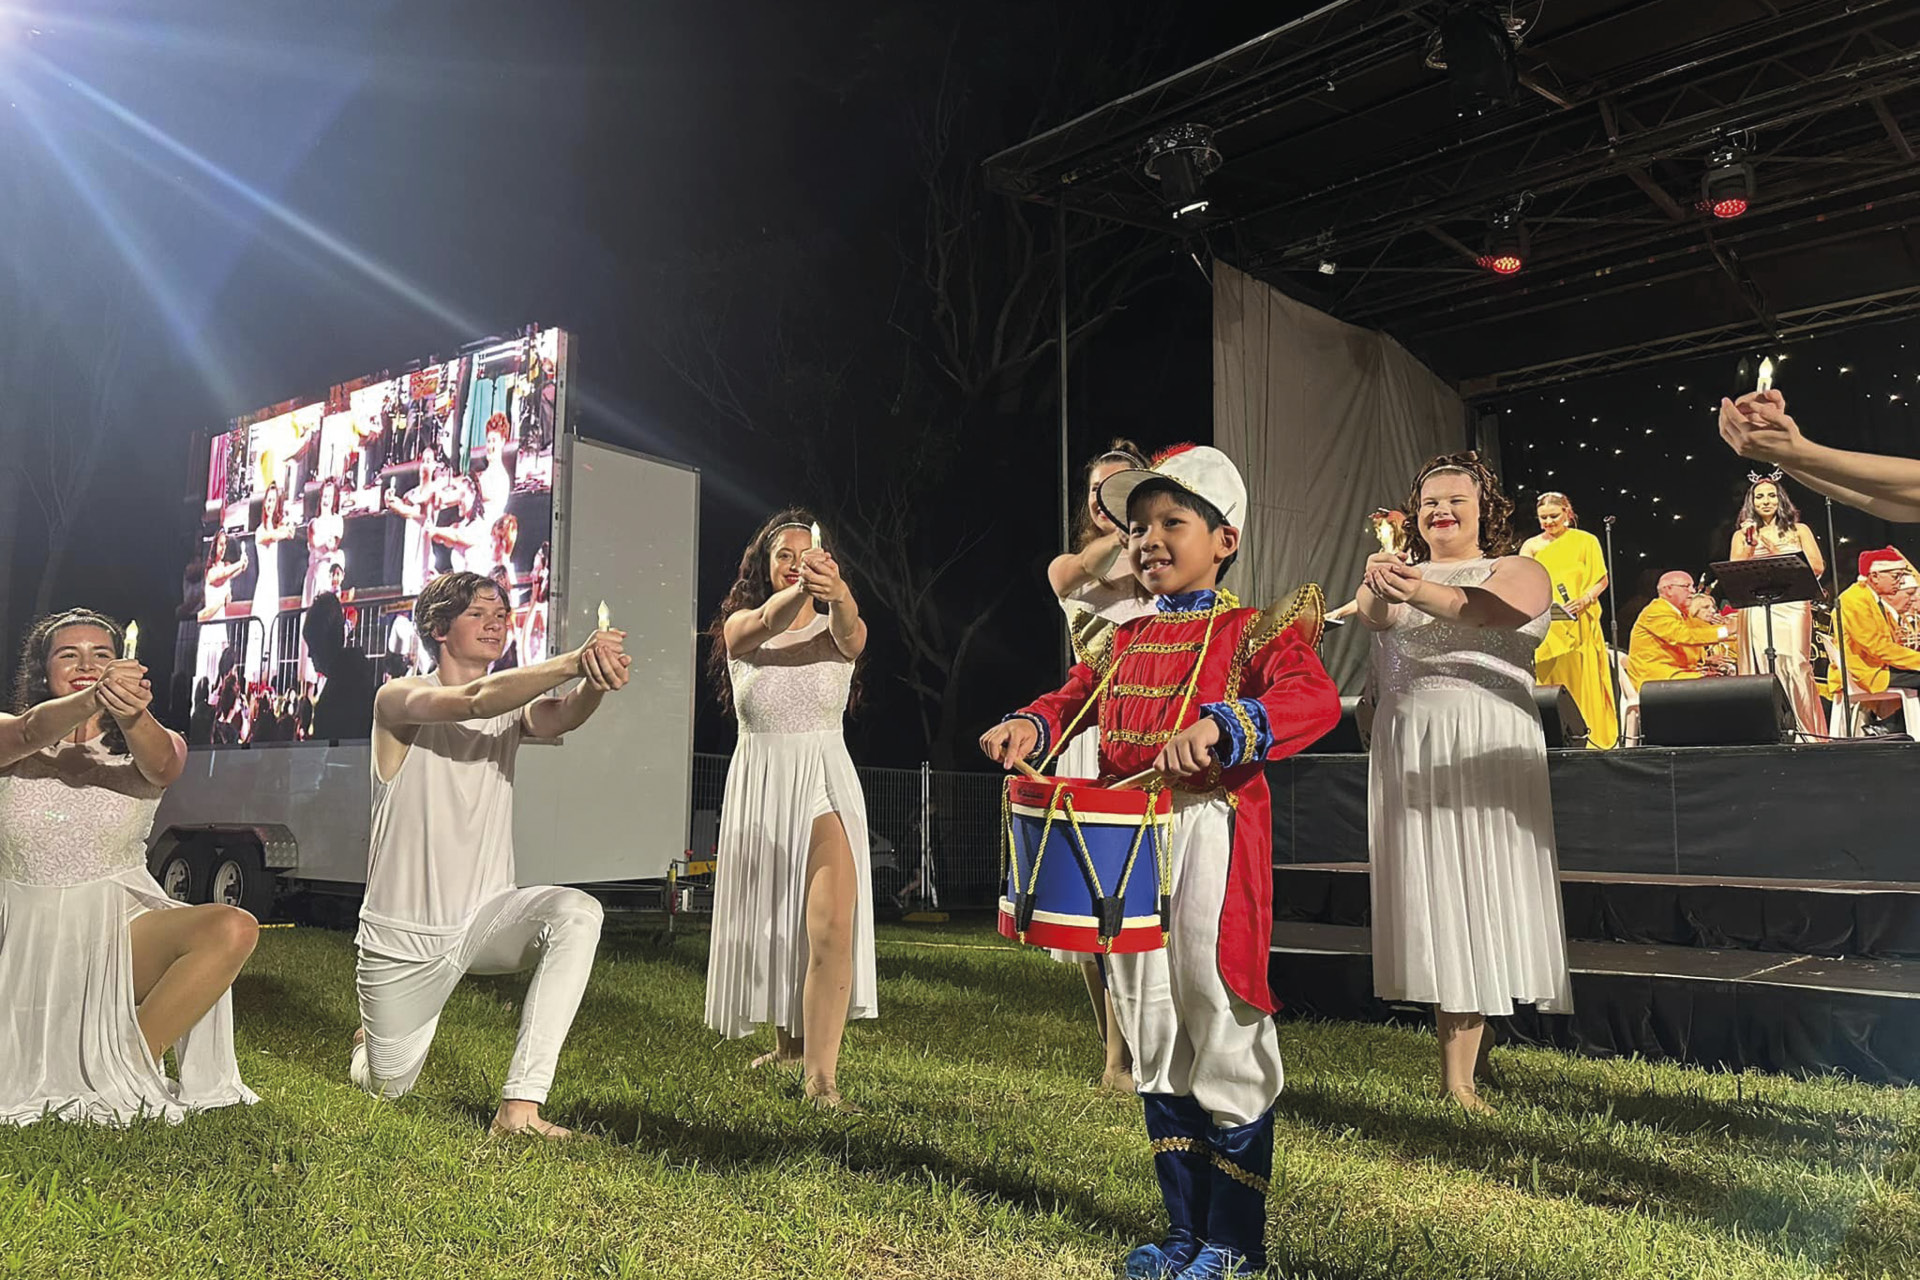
(1668, 644)
(1871, 648)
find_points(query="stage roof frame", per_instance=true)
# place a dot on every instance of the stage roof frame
(1343, 147)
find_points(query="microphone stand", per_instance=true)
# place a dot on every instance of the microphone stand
(1613, 621)
(1839, 630)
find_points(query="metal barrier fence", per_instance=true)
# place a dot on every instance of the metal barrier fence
(934, 834)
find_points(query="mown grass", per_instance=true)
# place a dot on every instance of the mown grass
(982, 1151)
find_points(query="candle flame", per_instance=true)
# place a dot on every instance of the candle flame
(605, 619)
(133, 639)
(816, 535)
(1766, 375)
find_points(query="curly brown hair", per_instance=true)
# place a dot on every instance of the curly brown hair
(30, 686)
(751, 587)
(1496, 509)
(1118, 450)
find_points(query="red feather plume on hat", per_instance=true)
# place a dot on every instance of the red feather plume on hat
(1172, 451)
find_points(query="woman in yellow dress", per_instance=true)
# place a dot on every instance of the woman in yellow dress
(1574, 652)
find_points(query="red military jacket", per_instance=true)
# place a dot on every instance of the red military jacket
(1260, 679)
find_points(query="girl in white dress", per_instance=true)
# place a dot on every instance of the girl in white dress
(1770, 526)
(272, 531)
(793, 899)
(101, 972)
(1465, 882)
(211, 644)
(1098, 592)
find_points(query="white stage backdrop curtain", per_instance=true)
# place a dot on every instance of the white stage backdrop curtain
(1326, 421)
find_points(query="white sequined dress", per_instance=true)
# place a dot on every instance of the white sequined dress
(789, 767)
(1465, 883)
(74, 821)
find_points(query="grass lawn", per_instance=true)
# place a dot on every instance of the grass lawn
(982, 1151)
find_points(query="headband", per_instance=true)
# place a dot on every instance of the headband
(777, 530)
(1754, 477)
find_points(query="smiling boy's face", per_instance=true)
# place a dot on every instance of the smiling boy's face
(1171, 548)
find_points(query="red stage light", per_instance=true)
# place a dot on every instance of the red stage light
(1503, 264)
(1732, 207)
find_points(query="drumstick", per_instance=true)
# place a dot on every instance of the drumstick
(1139, 779)
(1029, 770)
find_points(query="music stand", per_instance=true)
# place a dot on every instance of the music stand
(1764, 581)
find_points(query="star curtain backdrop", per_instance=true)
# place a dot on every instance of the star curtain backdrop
(1327, 422)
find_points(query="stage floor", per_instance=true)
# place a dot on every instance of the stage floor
(1831, 812)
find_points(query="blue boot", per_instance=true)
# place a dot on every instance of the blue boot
(1182, 1162)
(1236, 1230)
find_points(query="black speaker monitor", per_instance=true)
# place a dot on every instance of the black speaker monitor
(1560, 718)
(1343, 738)
(1714, 711)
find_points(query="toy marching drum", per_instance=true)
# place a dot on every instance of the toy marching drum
(1084, 867)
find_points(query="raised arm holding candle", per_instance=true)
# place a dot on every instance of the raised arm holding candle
(1757, 425)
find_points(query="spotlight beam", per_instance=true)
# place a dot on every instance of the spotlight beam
(371, 267)
(140, 261)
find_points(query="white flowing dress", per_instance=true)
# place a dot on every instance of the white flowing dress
(789, 767)
(1792, 655)
(266, 608)
(1095, 609)
(1465, 881)
(73, 874)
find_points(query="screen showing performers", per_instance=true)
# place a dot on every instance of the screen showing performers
(365, 496)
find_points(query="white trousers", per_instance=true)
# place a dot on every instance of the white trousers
(1190, 1035)
(551, 930)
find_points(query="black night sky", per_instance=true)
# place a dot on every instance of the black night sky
(213, 205)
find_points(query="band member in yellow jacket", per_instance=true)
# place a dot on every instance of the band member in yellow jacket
(1668, 642)
(1574, 652)
(1876, 660)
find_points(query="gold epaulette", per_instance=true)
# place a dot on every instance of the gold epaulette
(1092, 638)
(1306, 609)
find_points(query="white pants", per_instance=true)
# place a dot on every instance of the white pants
(551, 930)
(1190, 1035)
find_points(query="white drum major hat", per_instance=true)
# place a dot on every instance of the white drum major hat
(1200, 469)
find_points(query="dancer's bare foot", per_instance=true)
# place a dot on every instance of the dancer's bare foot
(774, 1058)
(516, 1117)
(1118, 1080)
(825, 1097)
(1470, 1101)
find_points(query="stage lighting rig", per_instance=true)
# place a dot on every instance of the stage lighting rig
(1179, 159)
(1506, 243)
(1475, 44)
(1727, 187)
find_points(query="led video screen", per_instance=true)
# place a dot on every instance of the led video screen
(322, 520)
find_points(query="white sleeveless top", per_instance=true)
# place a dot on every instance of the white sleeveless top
(797, 682)
(1097, 607)
(442, 838)
(74, 813)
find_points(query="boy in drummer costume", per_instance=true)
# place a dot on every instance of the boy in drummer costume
(1202, 692)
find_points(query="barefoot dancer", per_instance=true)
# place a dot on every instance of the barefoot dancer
(1096, 588)
(100, 971)
(441, 900)
(793, 903)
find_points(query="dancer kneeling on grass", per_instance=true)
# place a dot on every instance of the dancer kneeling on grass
(1466, 888)
(1204, 692)
(441, 900)
(793, 899)
(100, 971)
(1097, 590)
